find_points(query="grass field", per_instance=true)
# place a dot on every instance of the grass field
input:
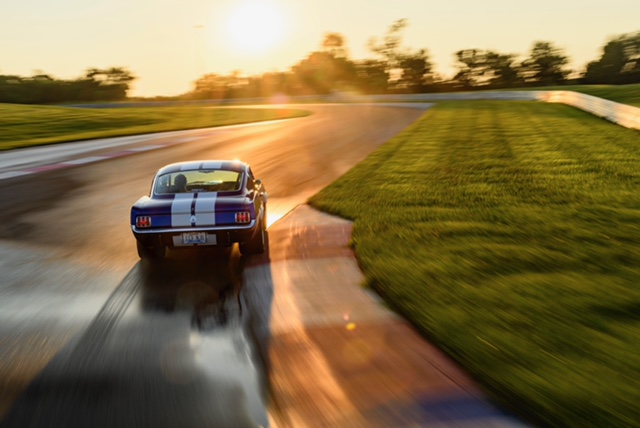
(24, 126)
(509, 234)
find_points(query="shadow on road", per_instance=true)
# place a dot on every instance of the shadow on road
(174, 345)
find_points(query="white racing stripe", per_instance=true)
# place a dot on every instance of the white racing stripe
(181, 210)
(212, 165)
(206, 209)
(190, 165)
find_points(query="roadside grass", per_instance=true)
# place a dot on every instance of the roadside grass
(509, 234)
(24, 126)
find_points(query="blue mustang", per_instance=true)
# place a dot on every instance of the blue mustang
(201, 203)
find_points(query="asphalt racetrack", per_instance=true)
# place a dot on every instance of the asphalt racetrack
(92, 336)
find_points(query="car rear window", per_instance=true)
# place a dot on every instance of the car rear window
(218, 180)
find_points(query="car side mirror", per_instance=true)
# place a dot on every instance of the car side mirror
(258, 182)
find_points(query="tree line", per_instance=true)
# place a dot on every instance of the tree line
(392, 69)
(395, 69)
(109, 84)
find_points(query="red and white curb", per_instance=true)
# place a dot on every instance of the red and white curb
(91, 159)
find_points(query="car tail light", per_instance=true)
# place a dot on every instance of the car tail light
(243, 217)
(143, 221)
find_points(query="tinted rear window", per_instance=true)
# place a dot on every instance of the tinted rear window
(218, 180)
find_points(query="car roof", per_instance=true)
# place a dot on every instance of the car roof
(231, 165)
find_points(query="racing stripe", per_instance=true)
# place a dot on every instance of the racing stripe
(181, 210)
(190, 166)
(211, 165)
(206, 209)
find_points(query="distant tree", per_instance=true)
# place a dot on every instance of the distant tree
(210, 86)
(109, 84)
(270, 84)
(480, 68)
(372, 76)
(415, 70)
(471, 68)
(13, 90)
(327, 70)
(390, 48)
(408, 70)
(545, 65)
(502, 70)
(619, 63)
(334, 43)
(267, 85)
(41, 76)
(96, 85)
(111, 76)
(322, 73)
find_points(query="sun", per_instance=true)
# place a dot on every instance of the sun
(255, 26)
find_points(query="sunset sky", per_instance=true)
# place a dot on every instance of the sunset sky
(167, 44)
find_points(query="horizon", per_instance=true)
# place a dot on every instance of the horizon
(260, 36)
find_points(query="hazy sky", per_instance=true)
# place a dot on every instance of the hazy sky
(169, 43)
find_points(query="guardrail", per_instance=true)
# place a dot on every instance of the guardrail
(622, 114)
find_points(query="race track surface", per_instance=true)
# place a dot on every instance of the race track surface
(91, 336)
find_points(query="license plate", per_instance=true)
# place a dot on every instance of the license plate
(191, 238)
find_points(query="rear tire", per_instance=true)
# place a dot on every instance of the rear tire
(257, 244)
(152, 252)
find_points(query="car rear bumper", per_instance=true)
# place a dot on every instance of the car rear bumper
(216, 235)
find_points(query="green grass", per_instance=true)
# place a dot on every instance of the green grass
(509, 234)
(24, 126)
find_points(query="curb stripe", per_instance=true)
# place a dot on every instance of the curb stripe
(45, 168)
(12, 174)
(84, 160)
(145, 148)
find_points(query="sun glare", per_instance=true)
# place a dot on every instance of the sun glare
(255, 26)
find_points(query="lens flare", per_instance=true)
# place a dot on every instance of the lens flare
(255, 27)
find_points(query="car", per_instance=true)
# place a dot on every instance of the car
(199, 204)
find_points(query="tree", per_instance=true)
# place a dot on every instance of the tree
(371, 76)
(96, 85)
(408, 70)
(545, 65)
(209, 86)
(269, 84)
(110, 83)
(327, 70)
(502, 70)
(389, 49)
(485, 68)
(111, 76)
(321, 73)
(471, 68)
(415, 69)
(619, 63)
(334, 44)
